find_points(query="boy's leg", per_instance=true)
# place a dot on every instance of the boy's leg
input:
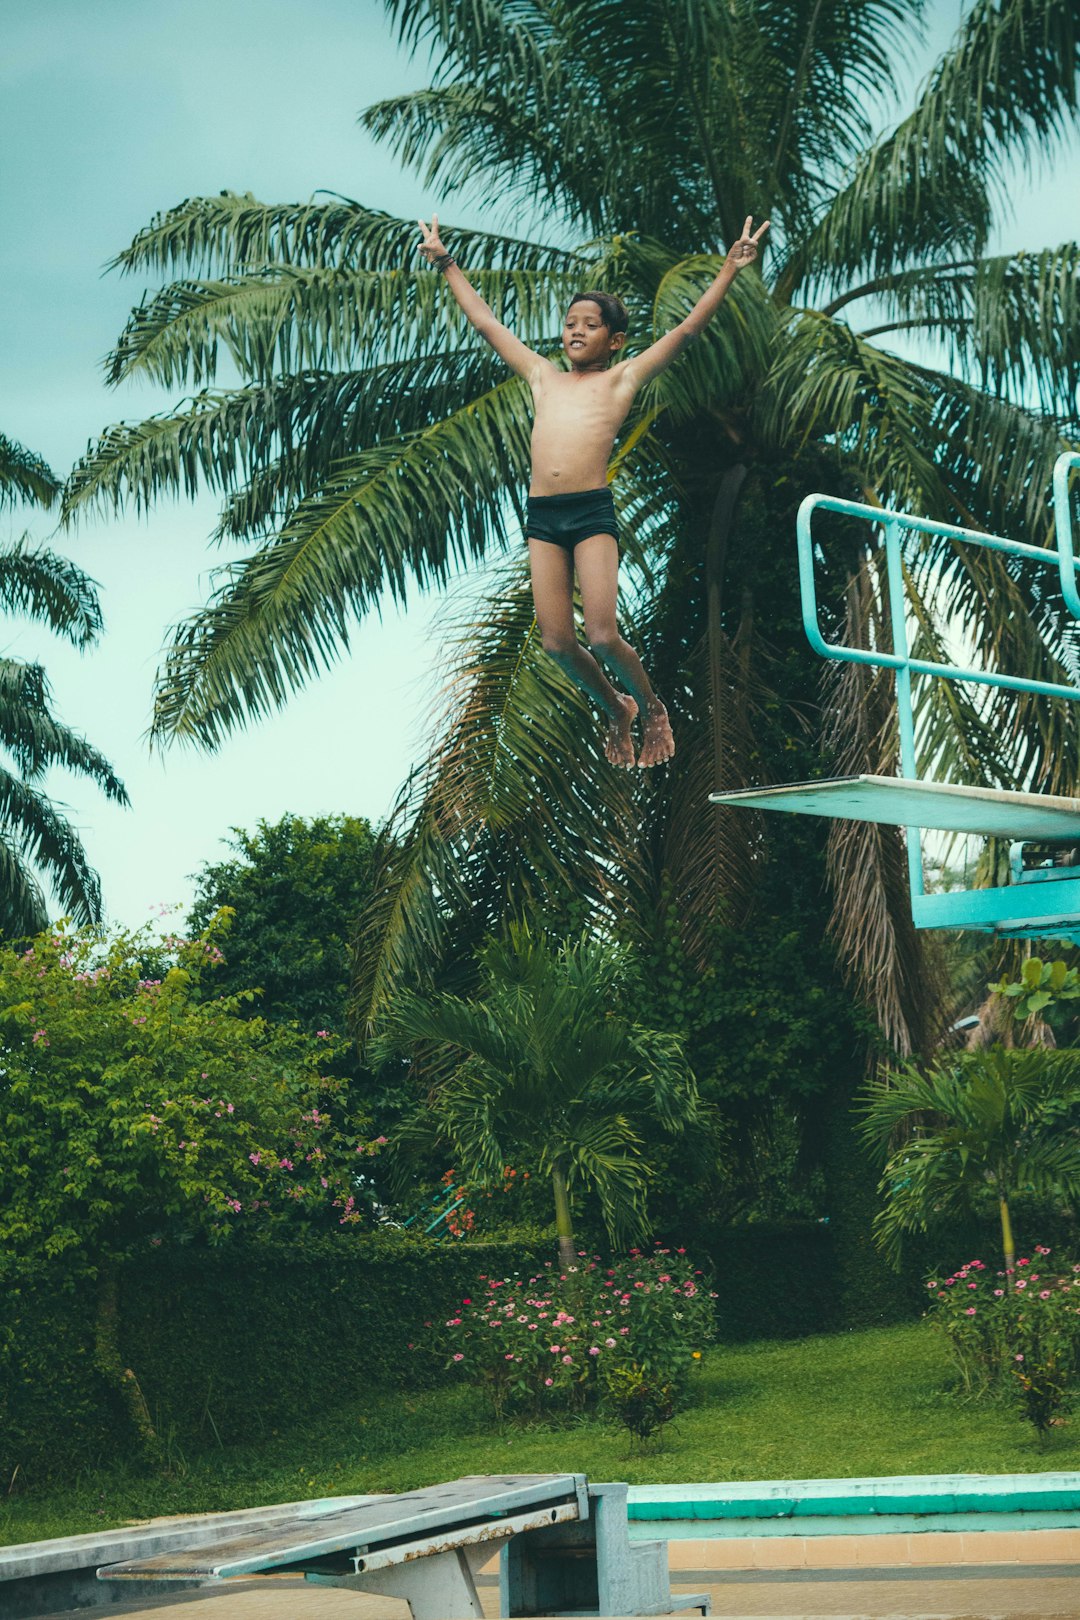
(597, 562)
(552, 571)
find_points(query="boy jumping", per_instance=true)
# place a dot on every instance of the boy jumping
(571, 515)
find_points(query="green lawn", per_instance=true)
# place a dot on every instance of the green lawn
(875, 1402)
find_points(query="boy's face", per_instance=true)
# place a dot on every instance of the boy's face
(587, 342)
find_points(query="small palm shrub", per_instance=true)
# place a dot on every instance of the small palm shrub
(1014, 1331)
(552, 1342)
(642, 1403)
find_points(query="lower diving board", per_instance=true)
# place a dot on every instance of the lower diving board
(901, 802)
(564, 1547)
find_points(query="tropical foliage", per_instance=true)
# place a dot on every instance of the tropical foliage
(35, 836)
(972, 1132)
(296, 888)
(542, 1069)
(371, 446)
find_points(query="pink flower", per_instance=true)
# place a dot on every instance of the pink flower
(593, 1350)
(286, 1164)
(255, 1157)
(970, 1311)
(1018, 1358)
(509, 1356)
(1021, 1284)
(973, 1285)
(610, 1343)
(458, 1356)
(567, 1360)
(323, 1034)
(548, 1382)
(998, 1292)
(624, 1330)
(1044, 1293)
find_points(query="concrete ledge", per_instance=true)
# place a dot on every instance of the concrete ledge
(921, 1503)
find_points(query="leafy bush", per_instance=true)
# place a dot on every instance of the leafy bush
(1016, 1330)
(547, 1342)
(641, 1402)
(135, 1110)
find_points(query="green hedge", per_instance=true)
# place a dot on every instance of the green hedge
(231, 1343)
(228, 1343)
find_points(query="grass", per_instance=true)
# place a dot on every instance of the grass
(875, 1402)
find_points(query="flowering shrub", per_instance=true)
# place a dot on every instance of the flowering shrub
(1017, 1329)
(550, 1340)
(133, 1109)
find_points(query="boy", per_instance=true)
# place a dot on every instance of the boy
(571, 515)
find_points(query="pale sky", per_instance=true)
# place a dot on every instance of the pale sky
(109, 112)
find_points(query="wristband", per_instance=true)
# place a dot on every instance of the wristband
(443, 262)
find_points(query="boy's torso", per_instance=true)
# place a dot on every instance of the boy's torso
(577, 416)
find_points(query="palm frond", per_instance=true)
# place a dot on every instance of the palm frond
(1006, 89)
(884, 956)
(24, 910)
(516, 813)
(36, 739)
(292, 318)
(234, 234)
(41, 585)
(36, 831)
(24, 476)
(409, 508)
(284, 438)
(1010, 322)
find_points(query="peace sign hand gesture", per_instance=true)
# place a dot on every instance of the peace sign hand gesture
(745, 250)
(431, 247)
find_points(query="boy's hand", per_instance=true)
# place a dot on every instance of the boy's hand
(431, 247)
(745, 250)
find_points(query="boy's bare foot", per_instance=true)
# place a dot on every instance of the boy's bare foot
(658, 744)
(618, 744)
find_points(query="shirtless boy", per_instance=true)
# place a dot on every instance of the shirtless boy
(571, 515)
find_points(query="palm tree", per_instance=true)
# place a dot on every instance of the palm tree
(371, 445)
(40, 585)
(537, 1070)
(974, 1127)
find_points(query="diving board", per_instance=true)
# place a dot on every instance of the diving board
(564, 1545)
(900, 801)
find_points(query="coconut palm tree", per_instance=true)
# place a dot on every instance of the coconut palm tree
(974, 1128)
(40, 585)
(372, 446)
(537, 1069)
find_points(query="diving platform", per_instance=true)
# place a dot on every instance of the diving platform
(1042, 898)
(901, 801)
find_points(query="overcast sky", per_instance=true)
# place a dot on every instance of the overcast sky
(109, 112)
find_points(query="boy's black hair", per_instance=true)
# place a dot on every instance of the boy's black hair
(615, 313)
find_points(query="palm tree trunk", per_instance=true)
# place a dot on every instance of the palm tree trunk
(564, 1224)
(1007, 1241)
(720, 527)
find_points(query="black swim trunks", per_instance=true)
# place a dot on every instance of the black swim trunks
(563, 520)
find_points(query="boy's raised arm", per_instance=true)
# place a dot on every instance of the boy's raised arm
(661, 353)
(518, 356)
